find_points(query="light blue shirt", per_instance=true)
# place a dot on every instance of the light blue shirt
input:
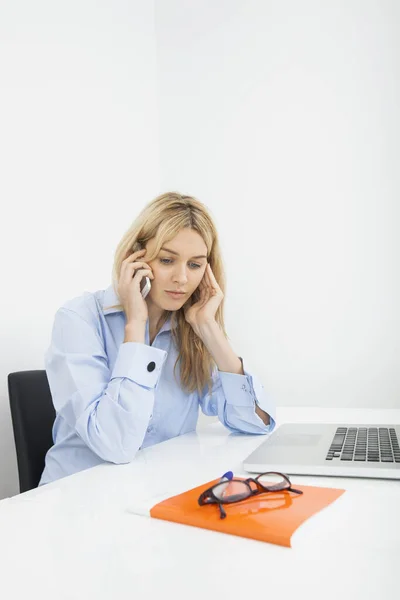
(113, 398)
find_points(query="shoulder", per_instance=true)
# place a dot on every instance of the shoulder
(88, 306)
(78, 326)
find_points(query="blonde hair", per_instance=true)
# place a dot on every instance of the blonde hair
(162, 219)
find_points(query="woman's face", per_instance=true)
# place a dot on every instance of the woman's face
(179, 267)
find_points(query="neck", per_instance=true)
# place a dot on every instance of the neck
(155, 315)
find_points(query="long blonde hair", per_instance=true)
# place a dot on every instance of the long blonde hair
(162, 219)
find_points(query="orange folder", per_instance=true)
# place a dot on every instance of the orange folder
(271, 517)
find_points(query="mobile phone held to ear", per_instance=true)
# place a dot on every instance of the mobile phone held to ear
(145, 287)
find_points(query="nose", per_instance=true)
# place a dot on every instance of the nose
(180, 276)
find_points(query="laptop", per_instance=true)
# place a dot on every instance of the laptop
(329, 450)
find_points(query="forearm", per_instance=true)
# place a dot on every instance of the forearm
(116, 429)
(227, 361)
(218, 346)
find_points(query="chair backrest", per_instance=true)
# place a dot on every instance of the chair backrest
(32, 414)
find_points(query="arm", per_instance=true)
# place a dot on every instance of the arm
(227, 361)
(237, 397)
(109, 411)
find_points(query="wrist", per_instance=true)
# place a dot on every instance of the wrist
(207, 328)
(135, 331)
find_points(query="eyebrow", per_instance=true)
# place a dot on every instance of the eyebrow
(177, 253)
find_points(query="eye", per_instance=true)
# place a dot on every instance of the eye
(168, 261)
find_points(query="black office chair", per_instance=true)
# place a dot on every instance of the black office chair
(32, 414)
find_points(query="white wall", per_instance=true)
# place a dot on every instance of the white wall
(78, 160)
(281, 116)
(284, 118)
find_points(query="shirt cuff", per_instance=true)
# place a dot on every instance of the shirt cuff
(140, 363)
(245, 390)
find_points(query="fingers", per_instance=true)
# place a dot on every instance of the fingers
(204, 289)
(132, 258)
(210, 275)
(136, 254)
(137, 270)
(204, 296)
(212, 282)
(206, 277)
(140, 273)
(133, 263)
(132, 267)
(206, 282)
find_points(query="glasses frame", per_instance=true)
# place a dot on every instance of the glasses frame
(208, 496)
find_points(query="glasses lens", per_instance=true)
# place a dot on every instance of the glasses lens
(273, 481)
(231, 491)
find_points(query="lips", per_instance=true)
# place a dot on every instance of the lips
(175, 295)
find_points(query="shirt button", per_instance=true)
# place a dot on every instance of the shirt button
(150, 429)
(151, 366)
(243, 387)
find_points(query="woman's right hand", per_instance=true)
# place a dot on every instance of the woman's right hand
(129, 293)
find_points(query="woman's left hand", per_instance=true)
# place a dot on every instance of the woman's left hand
(211, 296)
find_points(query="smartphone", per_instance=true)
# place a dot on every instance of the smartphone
(145, 287)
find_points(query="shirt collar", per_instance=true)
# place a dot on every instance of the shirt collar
(110, 299)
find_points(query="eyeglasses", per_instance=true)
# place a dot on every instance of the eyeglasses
(236, 490)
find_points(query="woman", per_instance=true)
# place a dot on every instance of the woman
(125, 371)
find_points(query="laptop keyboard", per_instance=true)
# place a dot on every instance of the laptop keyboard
(365, 444)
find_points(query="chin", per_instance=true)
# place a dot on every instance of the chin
(174, 305)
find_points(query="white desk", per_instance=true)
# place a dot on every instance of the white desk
(77, 539)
